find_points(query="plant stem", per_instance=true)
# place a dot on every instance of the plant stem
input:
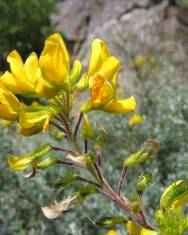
(71, 164)
(122, 180)
(85, 146)
(88, 181)
(64, 150)
(57, 126)
(98, 155)
(142, 212)
(78, 124)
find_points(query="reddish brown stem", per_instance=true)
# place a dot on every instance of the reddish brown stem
(122, 180)
(78, 124)
(64, 150)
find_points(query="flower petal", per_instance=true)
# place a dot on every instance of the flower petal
(109, 68)
(121, 106)
(99, 53)
(54, 60)
(135, 229)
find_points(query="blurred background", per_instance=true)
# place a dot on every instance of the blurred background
(150, 38)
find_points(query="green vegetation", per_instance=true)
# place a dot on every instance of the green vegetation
(24, 26)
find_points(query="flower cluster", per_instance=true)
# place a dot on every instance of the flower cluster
(50, 77)
(52, 83)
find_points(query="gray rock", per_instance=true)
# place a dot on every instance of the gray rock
(76, 17)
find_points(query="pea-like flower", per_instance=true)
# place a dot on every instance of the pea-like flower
(36, 118)
(9, 105)
(54, 61)
(102, 82)
(26, 79)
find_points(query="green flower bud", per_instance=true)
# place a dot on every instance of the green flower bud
(84, 192)
(110, 221)
(143, 181)
(19, 163)
(57, 135)
(101, 139)
(83, 84)
(175, 195)
(75, 73)
(46, 163)
(87, 128)
(145, 153)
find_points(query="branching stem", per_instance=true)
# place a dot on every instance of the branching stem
(122, 180)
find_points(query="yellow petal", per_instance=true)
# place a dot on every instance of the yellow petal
(16, 63)
(109, 68)
(112, 232)
(7, 114)
(99, 53)
(135, 229)
(31, 67)
(19, 163)
(29, 119)
(121, 106)
(17, 81)
(43, 87)
(54, 60)
(101, 91)
(9, 105)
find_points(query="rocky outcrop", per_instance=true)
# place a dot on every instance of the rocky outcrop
(130, 27)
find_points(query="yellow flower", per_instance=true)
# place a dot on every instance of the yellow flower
(9, 105)
(26, 79)
(35, 119)
(102, 81)
(135, 229)
(139, 60)
(54, 61)
(135, 119)
(112, 232)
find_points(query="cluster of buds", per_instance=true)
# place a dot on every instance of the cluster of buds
(52, 87)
